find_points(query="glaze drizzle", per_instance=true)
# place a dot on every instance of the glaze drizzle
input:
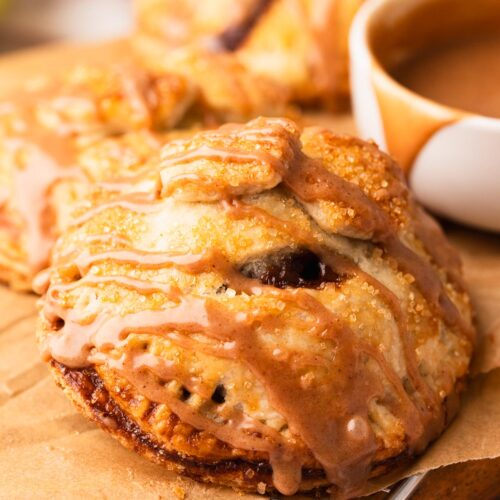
(340, 437)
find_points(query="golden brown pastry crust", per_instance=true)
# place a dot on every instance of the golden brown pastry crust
(298, 45)
(56, 135)
(89, 395)
(268, 297)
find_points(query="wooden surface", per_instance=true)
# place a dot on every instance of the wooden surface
(472, 480)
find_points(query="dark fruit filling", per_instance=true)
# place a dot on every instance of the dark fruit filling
(298, 268)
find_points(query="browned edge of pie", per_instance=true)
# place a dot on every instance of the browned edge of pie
(86, 390)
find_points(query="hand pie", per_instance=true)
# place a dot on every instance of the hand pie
(58, 135)
(299, 45)
(270, 310)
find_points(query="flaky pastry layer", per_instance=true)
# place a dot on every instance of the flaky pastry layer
(264, 299)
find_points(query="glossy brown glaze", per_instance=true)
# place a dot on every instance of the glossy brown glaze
(310, 181)
(44, 157)
(426, 401)
(58, 134)
(343, 423)
(340, 437)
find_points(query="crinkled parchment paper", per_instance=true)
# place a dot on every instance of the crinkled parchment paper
(47, 450)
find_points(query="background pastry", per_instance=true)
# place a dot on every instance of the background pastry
(56, 135)
(269, 309)
(300, 45)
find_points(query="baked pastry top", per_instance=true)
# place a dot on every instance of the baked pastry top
(299, 45)
(59, 134)
(266, 307)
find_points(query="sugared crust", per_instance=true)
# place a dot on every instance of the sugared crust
(90, 124)
(266, 278)
(93, 123)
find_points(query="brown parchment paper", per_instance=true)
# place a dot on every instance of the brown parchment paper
(49, 451)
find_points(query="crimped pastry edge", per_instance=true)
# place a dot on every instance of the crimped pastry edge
(87, 391)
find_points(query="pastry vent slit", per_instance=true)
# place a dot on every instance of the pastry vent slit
(295, 268)
(57, 323)
(185, 394)
(219, 394)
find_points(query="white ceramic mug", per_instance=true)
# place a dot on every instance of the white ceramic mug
(452, 157)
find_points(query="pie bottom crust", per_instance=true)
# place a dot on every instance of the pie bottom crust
(88, 393)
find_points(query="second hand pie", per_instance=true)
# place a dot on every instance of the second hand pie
(270, 310)
(59, 134)
(233, 47)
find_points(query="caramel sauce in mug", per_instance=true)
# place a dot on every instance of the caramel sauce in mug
(435, 62)
(463, 74)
